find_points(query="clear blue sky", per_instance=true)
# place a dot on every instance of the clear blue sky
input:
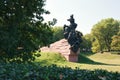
(86, 12)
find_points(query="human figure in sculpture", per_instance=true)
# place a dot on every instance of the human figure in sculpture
(71, 35)
(72, 25)
(70, 28)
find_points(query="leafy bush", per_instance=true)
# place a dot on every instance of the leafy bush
(14, 71)
(22, 29)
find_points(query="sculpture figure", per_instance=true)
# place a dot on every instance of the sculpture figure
(73, 37)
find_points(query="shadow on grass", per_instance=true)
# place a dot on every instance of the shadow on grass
(43, 62)
(85, 60)
(87, 53)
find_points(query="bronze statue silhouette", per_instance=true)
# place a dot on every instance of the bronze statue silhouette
(73, 37)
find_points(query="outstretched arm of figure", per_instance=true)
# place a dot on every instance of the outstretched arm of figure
(64, 27)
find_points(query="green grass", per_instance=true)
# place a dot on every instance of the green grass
(106, 61)
(106, 58)
(49, 58)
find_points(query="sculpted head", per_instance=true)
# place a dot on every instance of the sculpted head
(71, 19)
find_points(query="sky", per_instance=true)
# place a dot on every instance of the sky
(86, 12)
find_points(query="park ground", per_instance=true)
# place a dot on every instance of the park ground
(104, 61)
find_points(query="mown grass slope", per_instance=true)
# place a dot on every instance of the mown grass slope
(106, 61)
(49, 58)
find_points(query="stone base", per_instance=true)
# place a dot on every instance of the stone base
(73, 58)
(63, 48)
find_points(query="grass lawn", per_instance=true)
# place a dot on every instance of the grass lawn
(106, 61)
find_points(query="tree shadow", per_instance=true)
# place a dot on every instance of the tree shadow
(86, 60)
(87, 53)
(43, 62)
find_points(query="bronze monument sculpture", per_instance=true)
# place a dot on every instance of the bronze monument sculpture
(73, 37)
(70, 46)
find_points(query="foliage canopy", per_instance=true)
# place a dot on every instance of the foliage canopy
(103, 32)
(22, 29)
(57, 33)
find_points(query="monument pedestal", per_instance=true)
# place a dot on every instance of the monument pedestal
(71, 56)
(63, 48)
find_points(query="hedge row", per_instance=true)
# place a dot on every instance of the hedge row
(30, 71)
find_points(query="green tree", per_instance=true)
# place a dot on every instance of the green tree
(115, 45)
(95, 46)
(57, 33)
(22, 29)
(103, 32)
(86, 42)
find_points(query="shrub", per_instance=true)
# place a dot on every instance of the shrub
(31, 71)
